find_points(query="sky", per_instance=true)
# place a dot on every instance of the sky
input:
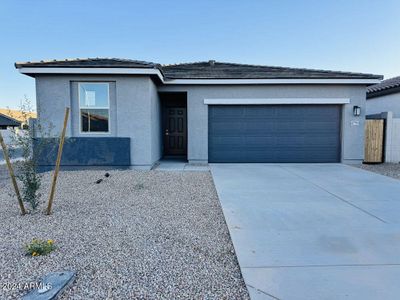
(352, 35)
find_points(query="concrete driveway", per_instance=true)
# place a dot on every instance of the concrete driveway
(313, 231)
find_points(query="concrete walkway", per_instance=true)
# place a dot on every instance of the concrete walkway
(313, 231)
(179, 165)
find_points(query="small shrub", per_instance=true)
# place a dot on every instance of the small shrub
(31, 181)
(27, 168)
(40, 247)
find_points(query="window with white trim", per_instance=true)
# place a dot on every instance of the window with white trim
(94, 107)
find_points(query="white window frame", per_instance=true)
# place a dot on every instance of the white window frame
(100, 107)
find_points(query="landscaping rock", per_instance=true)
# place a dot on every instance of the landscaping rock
(137, 235)
(387, 169)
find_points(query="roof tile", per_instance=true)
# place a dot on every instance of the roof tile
(88, 63)
(222, 70)
(385, 86)
(202, 70)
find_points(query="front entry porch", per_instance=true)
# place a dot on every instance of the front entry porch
(179, 164)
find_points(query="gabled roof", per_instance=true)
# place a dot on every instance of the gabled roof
(193, 71)
(386, 87)
(222, 70)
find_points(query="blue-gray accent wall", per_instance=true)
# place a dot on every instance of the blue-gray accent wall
(84, 151)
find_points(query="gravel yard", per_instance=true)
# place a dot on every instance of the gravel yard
(136, 235)
(4, 177)
(387, 169)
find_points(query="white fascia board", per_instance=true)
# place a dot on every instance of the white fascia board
(257, 101)
(146, 71)
(106, 71)
(273, 81)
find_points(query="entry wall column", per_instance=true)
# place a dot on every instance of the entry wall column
(197, 126)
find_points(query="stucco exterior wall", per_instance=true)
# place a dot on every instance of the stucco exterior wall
(384, 103)
(156, 126)
(53, 94)
(352, 127)
(134, 106)
(135, 110)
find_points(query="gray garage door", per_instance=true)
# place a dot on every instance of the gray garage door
(274, 133)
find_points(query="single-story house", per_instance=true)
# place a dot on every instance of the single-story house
(129, 112)
(14, 118)
(8, 122)
(384, 97)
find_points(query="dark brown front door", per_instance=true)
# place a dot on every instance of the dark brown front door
(175, 131)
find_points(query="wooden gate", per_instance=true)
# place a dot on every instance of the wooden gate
(373, 151)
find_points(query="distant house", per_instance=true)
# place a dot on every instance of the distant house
(6, 122)
(383, 102)
(384, 97)
(14, 118)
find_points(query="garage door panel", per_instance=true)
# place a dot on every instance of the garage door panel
(282, 113)
(274, 133)
(222, 128)
(263, 113)
(308, 143)
(261, 127)
(219, 111)
(273, 142)
(257, 156)
(270, 130)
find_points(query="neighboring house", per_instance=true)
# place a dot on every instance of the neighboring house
(15, 118)
(128, 112)
(383, 102)
(384, 97)
(8, 122)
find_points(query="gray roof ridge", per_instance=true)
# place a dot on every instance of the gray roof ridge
(185, 63)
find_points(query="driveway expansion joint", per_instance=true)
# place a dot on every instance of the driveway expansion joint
(263, 292)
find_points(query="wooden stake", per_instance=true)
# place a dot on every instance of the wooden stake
(12, 175)
(55, 175)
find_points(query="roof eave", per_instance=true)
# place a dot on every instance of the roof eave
(153, 71)
(17, 122)
(384, 92)
(354, 81)
(33, 71)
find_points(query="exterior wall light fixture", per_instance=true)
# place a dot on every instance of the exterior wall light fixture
(356, 111)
